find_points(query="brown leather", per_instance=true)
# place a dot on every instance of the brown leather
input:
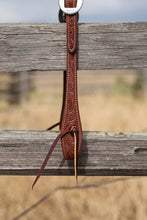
(70, 123)
(70, 111)
(66, 131)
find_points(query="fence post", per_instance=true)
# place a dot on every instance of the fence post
(20, 86)
(144, 75)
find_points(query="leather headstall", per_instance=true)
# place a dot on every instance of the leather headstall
(70, 123)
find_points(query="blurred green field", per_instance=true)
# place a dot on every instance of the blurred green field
(107, 198)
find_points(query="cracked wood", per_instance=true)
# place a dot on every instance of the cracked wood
(28, 47)
(103, 153)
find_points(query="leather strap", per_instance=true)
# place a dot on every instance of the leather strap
(70, 123)
(70, 115)
(68, 129)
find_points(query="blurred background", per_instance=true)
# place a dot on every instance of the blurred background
(108, 100)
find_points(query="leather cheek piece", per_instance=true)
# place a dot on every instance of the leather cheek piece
(70, 111)
(70, 123)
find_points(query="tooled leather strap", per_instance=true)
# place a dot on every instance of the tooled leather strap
(70, 124)
(71, 114)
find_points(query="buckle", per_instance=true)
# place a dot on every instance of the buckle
(70, 11)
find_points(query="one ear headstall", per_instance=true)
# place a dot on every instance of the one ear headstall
(70, 123)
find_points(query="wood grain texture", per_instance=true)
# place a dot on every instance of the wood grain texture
(28, 47)
(103, 153)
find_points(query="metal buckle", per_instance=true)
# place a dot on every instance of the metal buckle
(70, 11)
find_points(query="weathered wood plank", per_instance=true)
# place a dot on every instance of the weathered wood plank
(103, 153)
(27, 47)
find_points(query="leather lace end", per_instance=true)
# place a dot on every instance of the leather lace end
(74, 130)
(49, 154)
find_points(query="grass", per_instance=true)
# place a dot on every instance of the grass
(109, 198)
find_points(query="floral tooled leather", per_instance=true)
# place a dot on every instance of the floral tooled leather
(71, 114)
(70, 123)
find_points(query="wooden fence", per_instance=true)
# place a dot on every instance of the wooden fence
(29, 47)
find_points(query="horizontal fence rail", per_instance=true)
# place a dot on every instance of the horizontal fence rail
(28, 47)
(103, 153)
